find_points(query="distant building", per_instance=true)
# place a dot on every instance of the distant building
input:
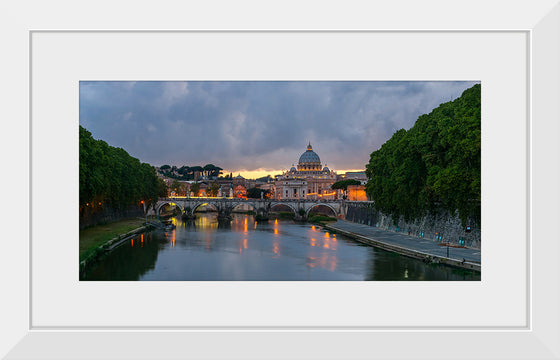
(356, 175)
(309, 180)
(203, 189)
(268, 186)
(239, 191)
(357, 193)
(239, 180)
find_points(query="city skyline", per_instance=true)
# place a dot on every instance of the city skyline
(256, 128)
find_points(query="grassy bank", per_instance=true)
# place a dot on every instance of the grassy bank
(91, 238)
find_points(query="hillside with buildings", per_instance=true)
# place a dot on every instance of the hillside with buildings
(309, 179)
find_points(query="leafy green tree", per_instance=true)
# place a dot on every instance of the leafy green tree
(433, 166)
(195, 188)
(183, 170)
(162, 188)
(179, 188)
(109, 176)
(213, 189)
(255, 193)
(343, 184)
(216, 172)
(196, 169)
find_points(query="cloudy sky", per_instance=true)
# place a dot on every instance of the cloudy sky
(256, 127)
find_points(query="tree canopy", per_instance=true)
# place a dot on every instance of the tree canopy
(343, 184)
(109, 175)
(255, 193)
(435, 165)
(213, 189)
(195, 188)
(188, 172)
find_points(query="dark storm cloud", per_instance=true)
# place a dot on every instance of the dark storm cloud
(251, 125)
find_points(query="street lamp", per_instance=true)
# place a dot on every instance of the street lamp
(145, 213)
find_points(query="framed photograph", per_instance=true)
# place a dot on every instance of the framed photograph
(512, 312)
(230, 207)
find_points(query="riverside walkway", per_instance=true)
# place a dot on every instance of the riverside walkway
(426, 250)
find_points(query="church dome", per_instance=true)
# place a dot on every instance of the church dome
(309, 156)
(326, 169)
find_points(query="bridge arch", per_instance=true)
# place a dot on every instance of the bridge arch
(171, 203)
(197, 205)
(253, 206)
(335, 213)
(283, 204)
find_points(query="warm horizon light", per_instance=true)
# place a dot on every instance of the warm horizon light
(255, 174)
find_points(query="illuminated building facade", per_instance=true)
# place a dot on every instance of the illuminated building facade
(310, 180)
(240, 191)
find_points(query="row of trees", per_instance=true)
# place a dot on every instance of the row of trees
(111, 177)
(433, 166)
(188, 172)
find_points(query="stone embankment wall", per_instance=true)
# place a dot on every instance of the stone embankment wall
(441, 227)
(100, 215)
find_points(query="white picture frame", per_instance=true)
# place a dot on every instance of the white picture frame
(540, 21)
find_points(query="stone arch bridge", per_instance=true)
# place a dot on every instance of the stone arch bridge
(262, 207)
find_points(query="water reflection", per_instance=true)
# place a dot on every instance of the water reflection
(392, 266)
(128, 262)
(204, 249)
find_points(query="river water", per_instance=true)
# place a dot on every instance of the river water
(203, 250)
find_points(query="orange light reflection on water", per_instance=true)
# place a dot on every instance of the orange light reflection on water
(206, 222)
(322, 251)
(276, 249)
(325, 261)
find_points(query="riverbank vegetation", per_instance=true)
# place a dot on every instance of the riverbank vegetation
(95, 236)
(433, 166)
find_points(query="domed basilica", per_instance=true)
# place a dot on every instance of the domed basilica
(309, 180)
